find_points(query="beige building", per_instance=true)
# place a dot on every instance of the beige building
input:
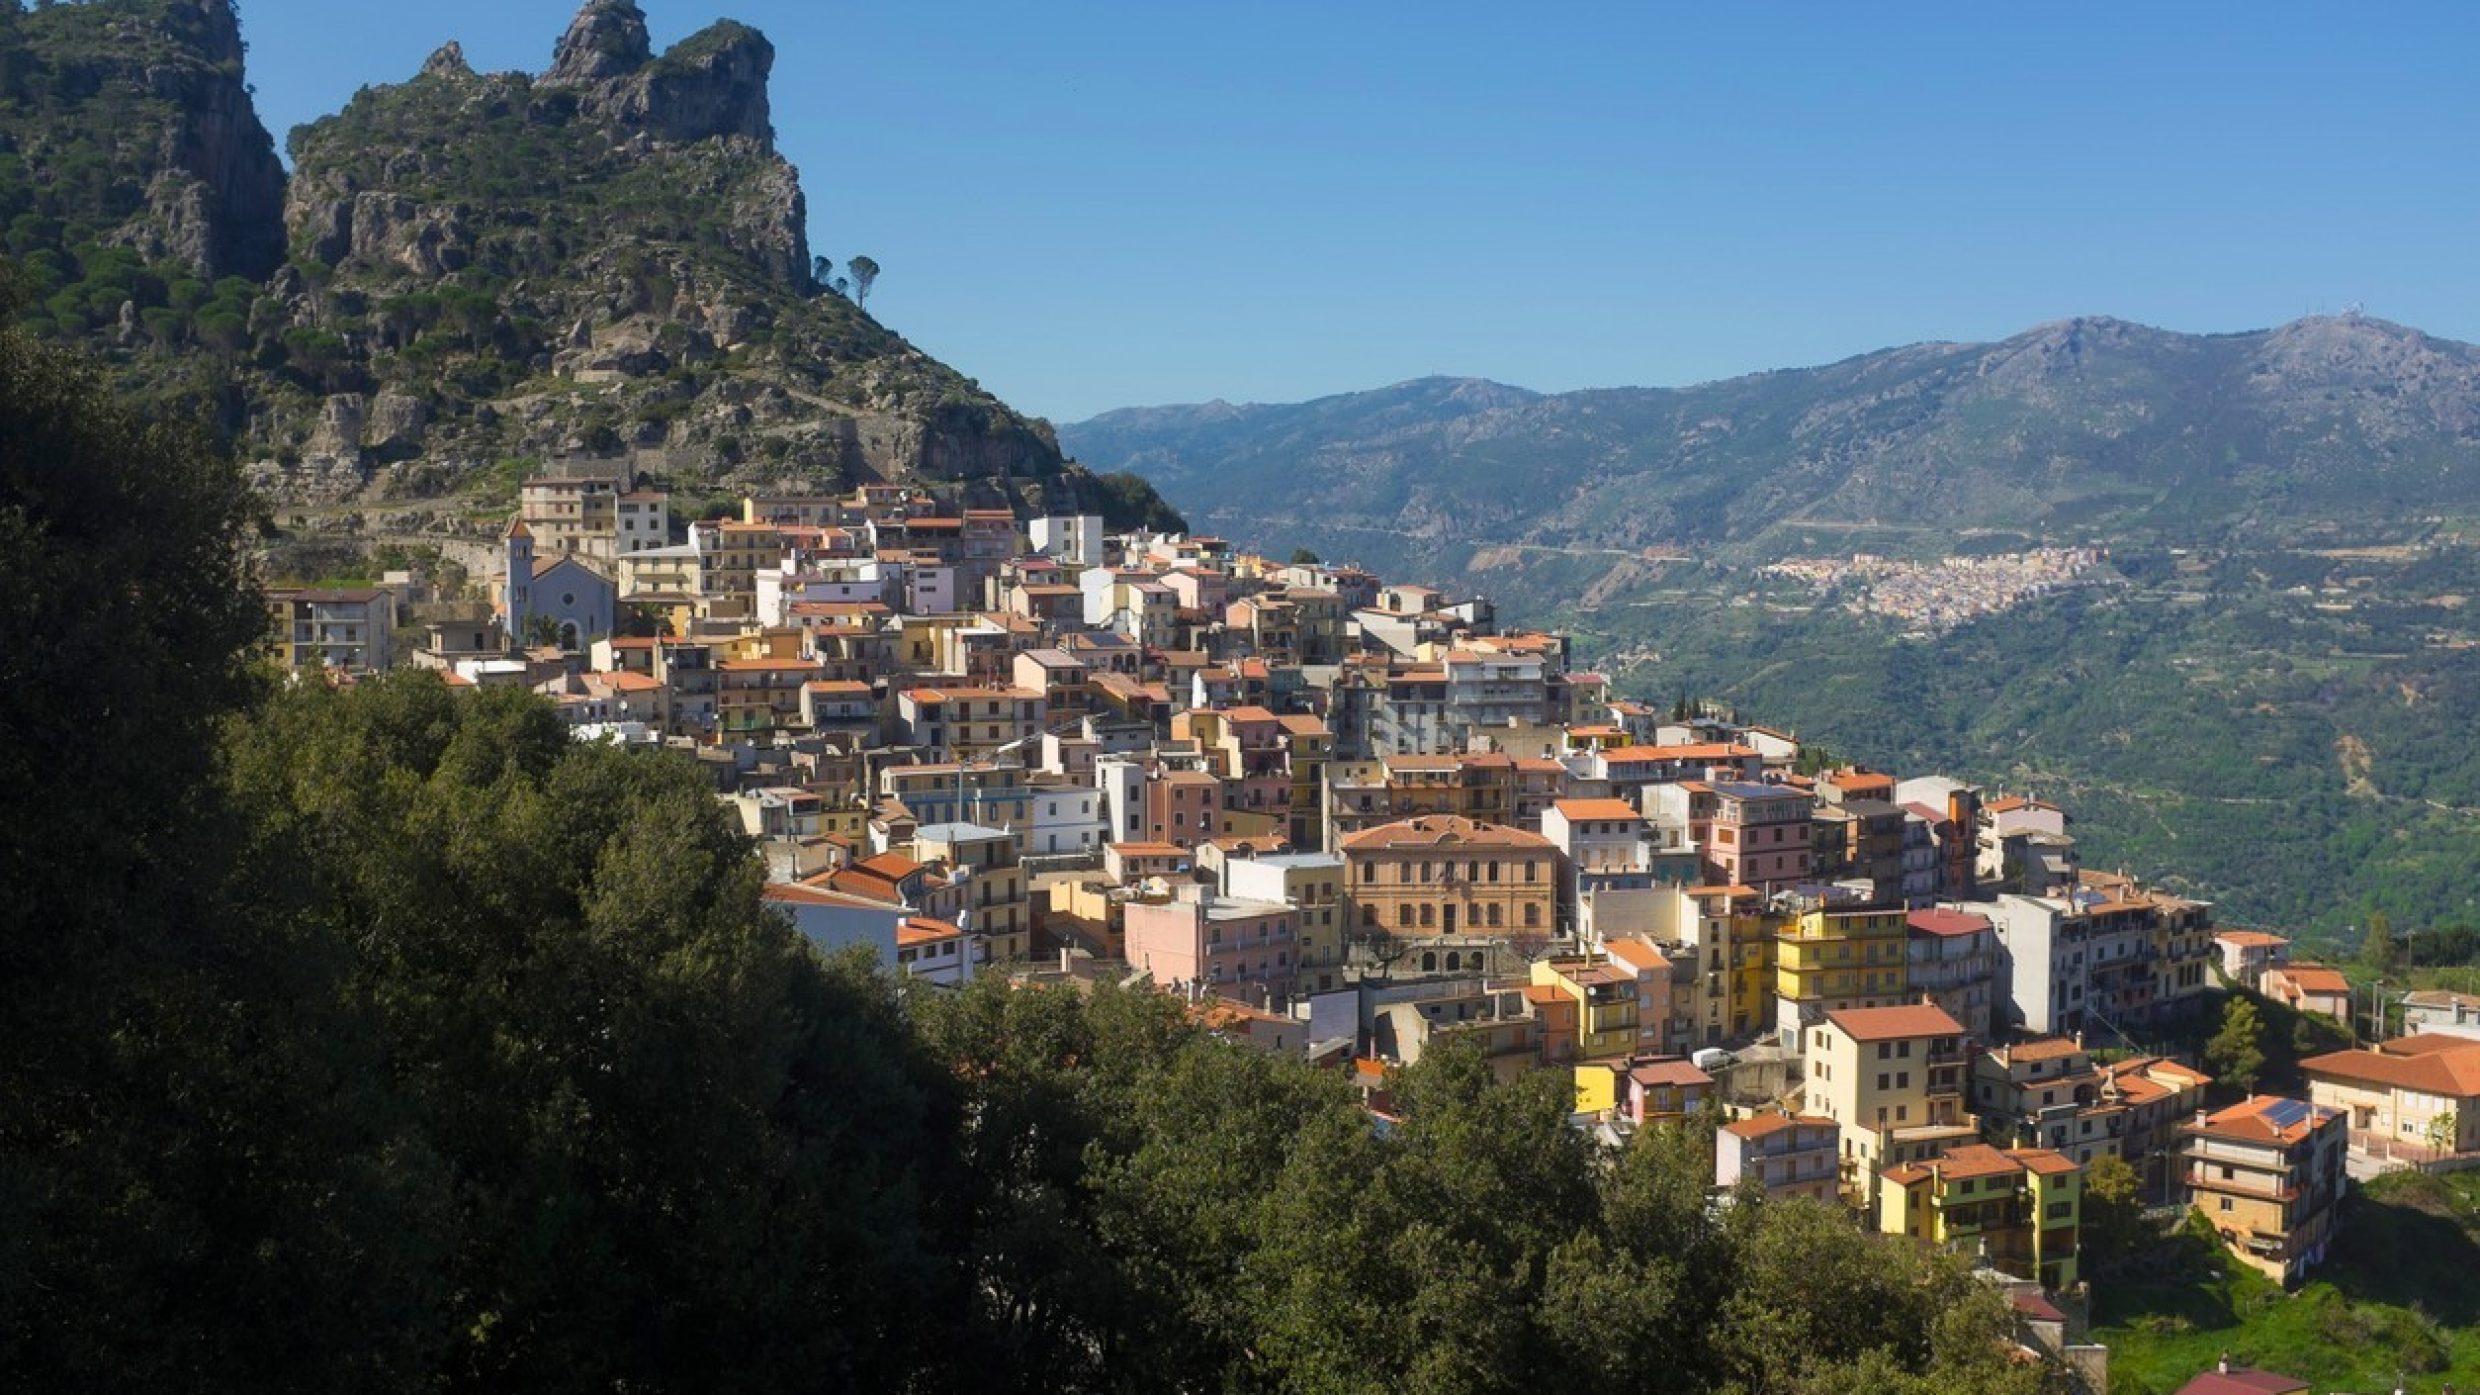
(2268, 1173)
(994, 911)
(2410, 1100)
(1312, 884)
(1443, 875)
(1894, 1079)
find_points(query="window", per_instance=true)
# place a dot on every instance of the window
(1403, 916)
(1531, 870)
(1903, 1080)
(1532, 915)
(1428, 915)
(1881, 1080)
(1369, 871)
(2226, 1204)
(1885, 1050)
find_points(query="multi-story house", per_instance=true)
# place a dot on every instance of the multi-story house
(1789, 1155)
(1444, 876)
(1646, 1091)
(1952, 957)
(1607, 999)
(2019, 1211)
(1236, 948)
(962, 723)
(2047, 1092)
(1894, 1079)
(2268, 1174)
(350, 629)
(2246, 954)
(2023, 846)
(1604, 843)
(756, 696)
(1828, 957)
(2411, 1100)
(1312, 884)
(1757, 835)
(993, 909)
(2310, 988)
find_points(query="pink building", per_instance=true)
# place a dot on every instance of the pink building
(1758, 836)
(1244, 950)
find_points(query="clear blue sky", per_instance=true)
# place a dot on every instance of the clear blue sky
(1090, 205)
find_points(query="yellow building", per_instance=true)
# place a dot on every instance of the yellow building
(1607, 1006)
(1443, 875)
(1740, 936)
(1826, 959)
(1894, 1078)
(2019, 1211)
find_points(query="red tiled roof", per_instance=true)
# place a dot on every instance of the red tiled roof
(1940, 921)
(2434, 1072)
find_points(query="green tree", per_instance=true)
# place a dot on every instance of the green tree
(1303, 557)
(2113, 1215)
(2236, 1052)
(864, 272)
(2379, 950)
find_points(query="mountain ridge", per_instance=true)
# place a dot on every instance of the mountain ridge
(466, 275)
(2086, 423)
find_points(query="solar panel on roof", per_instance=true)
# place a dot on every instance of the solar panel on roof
(2283, 1114)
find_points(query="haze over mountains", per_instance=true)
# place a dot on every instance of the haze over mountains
(2084, 426)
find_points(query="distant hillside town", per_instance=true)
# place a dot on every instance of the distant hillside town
(1350, 820)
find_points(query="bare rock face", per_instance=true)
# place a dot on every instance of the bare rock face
(447, 61)
(712, 84)
(606, 40)
(395, 423)
(341, 421)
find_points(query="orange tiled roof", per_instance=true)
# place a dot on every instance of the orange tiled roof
(1889, 1023)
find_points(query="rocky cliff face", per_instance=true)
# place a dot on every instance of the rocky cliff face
(155, 93)
(471, 271)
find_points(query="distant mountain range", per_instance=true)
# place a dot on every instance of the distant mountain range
(2081, 426)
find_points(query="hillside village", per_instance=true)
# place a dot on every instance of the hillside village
(1351, 820)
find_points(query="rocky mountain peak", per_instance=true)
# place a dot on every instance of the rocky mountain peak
(711, 84)
(606, 40)
(447, 61)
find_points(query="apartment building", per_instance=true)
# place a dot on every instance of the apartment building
(2268, 1174)
(2018, 1211)
(2411, 1100)
(349, 629)
(1951, 956)
(1829, 957)
(1240, 949)
(1310, 883)
(1789, 1155)
(1894, 1079)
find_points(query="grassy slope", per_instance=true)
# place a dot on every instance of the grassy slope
(2400, 1295)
